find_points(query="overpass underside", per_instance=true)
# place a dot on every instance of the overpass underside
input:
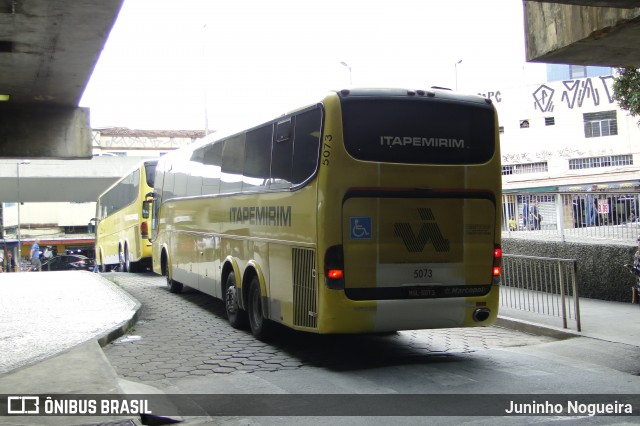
(583, 32)
(48, 50)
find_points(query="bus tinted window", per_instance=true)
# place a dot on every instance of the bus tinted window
(306, 145)
(232, 164)
(257, 160)
(418, 131)
(121, 195)
(281, 159)
(211, 162)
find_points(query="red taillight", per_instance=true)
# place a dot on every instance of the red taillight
(144, 230)
(497, 261)
(334, 268)
(497, 253)
(335, 274)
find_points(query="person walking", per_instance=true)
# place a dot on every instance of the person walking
(535, 216)
(591, 206)
(11, 263)
(35, 256)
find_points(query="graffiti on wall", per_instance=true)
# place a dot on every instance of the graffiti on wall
(575, 94)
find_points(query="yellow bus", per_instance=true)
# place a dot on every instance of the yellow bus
(370, 211)
(122, 221)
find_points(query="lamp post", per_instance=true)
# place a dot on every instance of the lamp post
(204, 80)
(455, 66)
(344, 64)
(19, 257)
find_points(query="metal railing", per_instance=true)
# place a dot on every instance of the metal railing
(541, 285)
(575, 216)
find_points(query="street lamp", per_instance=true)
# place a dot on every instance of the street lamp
(455, 65)
(19, 257)
(344, 64)
(204, 80)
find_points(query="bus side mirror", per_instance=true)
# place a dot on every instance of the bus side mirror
(91, 226)
(145, 209)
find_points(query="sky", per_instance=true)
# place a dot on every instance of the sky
(227, 64)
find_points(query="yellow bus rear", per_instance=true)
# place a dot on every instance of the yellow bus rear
(409, 211)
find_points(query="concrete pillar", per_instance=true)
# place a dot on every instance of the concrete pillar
(44, 132)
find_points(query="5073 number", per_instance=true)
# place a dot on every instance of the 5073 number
(422, 273)
(326, 150)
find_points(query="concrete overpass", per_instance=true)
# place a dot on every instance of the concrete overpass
(48, 50)
(61, 180)
(583, 32)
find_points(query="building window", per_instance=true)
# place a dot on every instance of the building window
(577, 71)
(597, 124)
(606, 161)
(549, 121)
(524, 124)
(518, 169)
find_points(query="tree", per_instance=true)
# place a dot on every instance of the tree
(626, 90)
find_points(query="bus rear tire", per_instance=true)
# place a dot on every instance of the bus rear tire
(236, 316)
(173, 285)
(261, 327)
(128, 265)
(122, 265)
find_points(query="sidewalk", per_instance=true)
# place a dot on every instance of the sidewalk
(610, 321)
(52, 331)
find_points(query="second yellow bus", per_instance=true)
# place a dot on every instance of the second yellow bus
(123, 221)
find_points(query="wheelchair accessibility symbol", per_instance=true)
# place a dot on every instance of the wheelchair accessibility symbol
(361, 228)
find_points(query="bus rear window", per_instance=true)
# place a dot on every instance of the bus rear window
(418, 130)
(150, 172)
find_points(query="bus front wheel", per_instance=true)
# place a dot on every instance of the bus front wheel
(261, 327)
(236, 316)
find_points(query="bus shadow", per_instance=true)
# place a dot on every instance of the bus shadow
(339, 352)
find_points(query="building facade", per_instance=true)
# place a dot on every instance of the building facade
(64, 227)
(568, 133)
(569, 153)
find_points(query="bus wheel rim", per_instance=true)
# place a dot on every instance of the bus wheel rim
(232, 300)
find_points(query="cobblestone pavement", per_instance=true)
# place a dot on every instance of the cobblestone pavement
(187, 334)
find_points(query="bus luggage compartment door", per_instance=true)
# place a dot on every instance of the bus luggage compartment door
(418, 247)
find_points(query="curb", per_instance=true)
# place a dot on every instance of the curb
(105, 338)
(535, 328)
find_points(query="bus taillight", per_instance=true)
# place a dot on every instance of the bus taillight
(144, 230)
(334, 268)
(335, 274)
(497, 263)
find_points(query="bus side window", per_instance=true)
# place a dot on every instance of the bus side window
(232, 164)
(194, 180)
(257, 159)
(281, 156)
(211, 162)
(306, 145)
